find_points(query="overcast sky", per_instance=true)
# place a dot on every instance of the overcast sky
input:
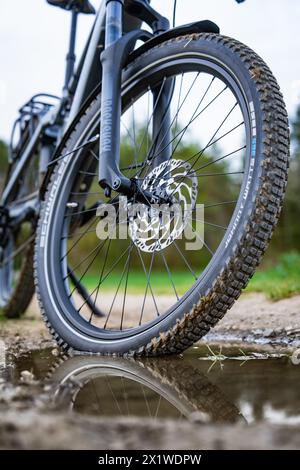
(34, 38)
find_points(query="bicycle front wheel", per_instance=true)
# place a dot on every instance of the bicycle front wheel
(228, 144)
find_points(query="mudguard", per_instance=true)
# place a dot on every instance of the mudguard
(205, 26)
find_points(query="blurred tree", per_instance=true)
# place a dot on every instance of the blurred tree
(296, 131)
(287, 236)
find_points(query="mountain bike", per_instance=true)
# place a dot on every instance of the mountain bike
(151, 188)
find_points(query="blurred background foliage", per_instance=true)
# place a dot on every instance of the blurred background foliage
(279, 275)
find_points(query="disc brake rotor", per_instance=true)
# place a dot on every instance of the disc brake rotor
(155, 227)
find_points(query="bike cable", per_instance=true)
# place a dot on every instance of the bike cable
(174, 13)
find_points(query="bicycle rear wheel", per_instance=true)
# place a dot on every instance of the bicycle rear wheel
(17, 249)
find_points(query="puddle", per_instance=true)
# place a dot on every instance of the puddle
(204, 386)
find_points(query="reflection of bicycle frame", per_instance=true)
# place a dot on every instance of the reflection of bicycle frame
(180, 384)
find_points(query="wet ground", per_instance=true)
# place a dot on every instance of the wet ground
(253, 320)
(233, 397)
(238, 389)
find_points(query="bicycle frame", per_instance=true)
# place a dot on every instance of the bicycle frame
(116, 29)
(84, 81)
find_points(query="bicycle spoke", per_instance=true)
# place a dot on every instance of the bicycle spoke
(28, 197)
(227, 173)
(82, 291)
(185, 260)
(97, 396)
(146, 401)
(88, 267)
(98, 249)
(80, 147)
(94, 155)
(100, 278)
(134, 135)
(176, 115)
(178, 104)
(158, 406)
(202, 241)
(169, 274)
(125, 290)
(127, 131)
(105, 277)
(195, 118)
(209, 223)
(17, 251)
(210, 206)
(119, 285)
(169, 128)
(82, 234)
(147, 287)
(87, 173)
(125, 396)
(145, 271)
(210, 143)
(234, 152)
(113, 395)
(191, 120)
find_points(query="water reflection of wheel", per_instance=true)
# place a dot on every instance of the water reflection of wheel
(153, 389)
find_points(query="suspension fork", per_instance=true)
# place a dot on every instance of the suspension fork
(117, 49)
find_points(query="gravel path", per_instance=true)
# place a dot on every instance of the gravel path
(253, 320)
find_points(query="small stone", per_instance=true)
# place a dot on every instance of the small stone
(27, 377)
(269, 332)
(279, 331)
(55, 352)
(199, 417)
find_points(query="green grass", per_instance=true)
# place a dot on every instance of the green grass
(278, 282)
(137, 282)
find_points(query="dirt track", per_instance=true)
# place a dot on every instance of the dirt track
(253, 320)
(35, 431)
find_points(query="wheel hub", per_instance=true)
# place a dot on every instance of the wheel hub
(155, 227)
